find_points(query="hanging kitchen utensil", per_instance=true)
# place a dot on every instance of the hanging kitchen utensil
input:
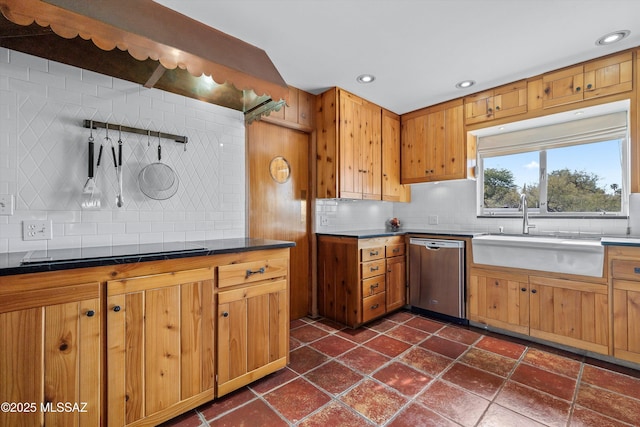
(120, 197)
(157, 180)
(89, 201)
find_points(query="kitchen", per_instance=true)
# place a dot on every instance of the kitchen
(46, 169)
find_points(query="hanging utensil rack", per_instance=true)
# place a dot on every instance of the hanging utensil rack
(111, 126)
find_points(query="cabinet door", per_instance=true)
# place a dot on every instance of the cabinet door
(392, 190)
(370, 130)
(563, 87)
(350, 146)
(626, 320)
(414, 146)
(396, 279)
(499, 299)
(253, 333)
(50, 355)
(570, 312)
(608, 76)
(160, 358)
(479, 107)
(510, 100)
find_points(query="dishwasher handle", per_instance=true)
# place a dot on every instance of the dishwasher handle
(434, 245)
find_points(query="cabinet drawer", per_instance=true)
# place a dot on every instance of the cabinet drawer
(369, 254)
(373, 307)
(248, 272)
(372, 268)
(373, 286)
(626, 269)
(395, 250)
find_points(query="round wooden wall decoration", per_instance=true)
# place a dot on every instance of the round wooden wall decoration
(280, 169)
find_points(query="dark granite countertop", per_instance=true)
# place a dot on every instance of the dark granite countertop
(366, 234)
(65, 259)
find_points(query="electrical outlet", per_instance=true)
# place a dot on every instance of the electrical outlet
(433, 219)
(6, 204)
(324, 220)
(37, 230)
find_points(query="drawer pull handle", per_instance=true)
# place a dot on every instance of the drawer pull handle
(395, 250)
(636, 270)
(91, 313)
(376, 268)
(373, 253)
(250, 273)
(373, 307)
(225, 314)
(116, 308)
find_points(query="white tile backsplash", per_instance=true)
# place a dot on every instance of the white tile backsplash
(43, 152)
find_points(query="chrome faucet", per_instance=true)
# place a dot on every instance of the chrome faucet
(525, 214)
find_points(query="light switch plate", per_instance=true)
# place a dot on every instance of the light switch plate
(433, 219)
(6, 204)
(37, 230)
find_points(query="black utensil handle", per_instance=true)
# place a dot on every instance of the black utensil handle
(99, 155)
(90, 159)
(120, 154)
(115, 160)
(159, 152)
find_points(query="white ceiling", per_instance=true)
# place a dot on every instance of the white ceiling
(418, 49)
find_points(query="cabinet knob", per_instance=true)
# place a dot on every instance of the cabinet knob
(91, 313)
(589, 86)
(533, 291)
(116, 308)
(225, 314)
(578, 89)
(497, 108)
(524, 289)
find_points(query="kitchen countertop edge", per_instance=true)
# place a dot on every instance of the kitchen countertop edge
(10, 265)
(367, 234)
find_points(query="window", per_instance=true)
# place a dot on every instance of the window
(573, 168)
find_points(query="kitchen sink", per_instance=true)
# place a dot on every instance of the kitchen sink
(558, 254)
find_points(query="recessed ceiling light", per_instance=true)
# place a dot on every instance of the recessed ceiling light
(365, 78)
(614, 37)
(465, 84)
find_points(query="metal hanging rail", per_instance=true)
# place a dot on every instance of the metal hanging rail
(111, 126)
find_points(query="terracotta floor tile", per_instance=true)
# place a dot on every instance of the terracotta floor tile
(329, 325)
(424, 324)
(479, 382)
(375, 401)
(456, 333)
(416, 415)
(501, 347)
(552, 362)
(382, 325)
(294, 343)
(609, 403)
(387, 345)
(445, 347)
(459, 405)
(305, 358)
(583, 417)
(401, 377)
(296, 399)
(296, 323)
(255, 413)
(333, 345)
(307, 333)
(189, 419)
(498, 416)
(363, 359)
(226, 403)
(534, 404)
(488, 361)
(400, 316)
(548, 382)
(359, 335)
(426, 361)
(271, 381)
(334, 377)
(335, 414)
(407, 334)
(613, 381)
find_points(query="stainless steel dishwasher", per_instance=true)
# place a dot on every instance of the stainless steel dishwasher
(436, 277)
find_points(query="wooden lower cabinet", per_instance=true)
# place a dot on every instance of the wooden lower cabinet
(253, 338)
(625, 272)
(567, 312)
(50, 341)
(360, 280)
(160, 346)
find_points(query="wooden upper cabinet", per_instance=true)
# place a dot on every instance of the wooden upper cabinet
(392, 190)
(594, 79)
(349, 152)
(298, 110)
(433, 144)
(496, 103)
